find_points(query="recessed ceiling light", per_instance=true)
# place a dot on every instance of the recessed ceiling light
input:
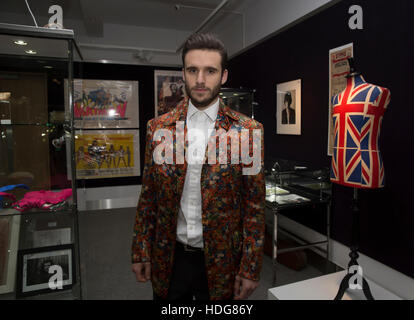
(31, 52)
(20, 42)
(48, 67)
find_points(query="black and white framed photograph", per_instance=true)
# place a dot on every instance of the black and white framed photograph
(288, 107)
(43, 270)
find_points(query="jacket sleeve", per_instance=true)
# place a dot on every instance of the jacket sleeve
(143, 235)
(253, 197)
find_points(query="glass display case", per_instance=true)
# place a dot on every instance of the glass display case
(288, 182)
(39, 247)
(240, 100)
(292, 186)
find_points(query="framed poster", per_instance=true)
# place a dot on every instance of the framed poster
(34, 273)
(47, 238)
(169, 90)
(106, 154)
(288, 107)
(104, 103)
(338, 69)
(9, 244)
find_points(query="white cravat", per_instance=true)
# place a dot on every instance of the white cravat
(189, 224)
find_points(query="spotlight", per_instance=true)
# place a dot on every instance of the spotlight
(20, 42)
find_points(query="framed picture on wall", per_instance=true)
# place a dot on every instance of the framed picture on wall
(41, 269)
(338, 69)
(106, 154)
(169, 90)
(104, 104)
(289, 107)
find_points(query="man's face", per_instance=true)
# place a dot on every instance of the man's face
(203, 76)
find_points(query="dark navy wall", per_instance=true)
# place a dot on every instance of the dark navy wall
(383, 51)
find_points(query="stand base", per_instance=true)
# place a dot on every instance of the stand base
(345, 286)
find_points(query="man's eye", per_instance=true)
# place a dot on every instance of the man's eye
(211, 71)
(192, 70)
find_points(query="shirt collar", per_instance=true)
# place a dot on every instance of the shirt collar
(210, 111)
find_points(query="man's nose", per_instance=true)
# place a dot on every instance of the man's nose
(201, 77)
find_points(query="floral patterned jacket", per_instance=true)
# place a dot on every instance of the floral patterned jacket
(233, 207)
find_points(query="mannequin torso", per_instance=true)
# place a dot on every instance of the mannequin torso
(357, 116)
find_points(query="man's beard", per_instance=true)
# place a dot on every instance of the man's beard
(204, 102)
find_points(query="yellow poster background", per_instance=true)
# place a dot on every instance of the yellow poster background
(104, 155)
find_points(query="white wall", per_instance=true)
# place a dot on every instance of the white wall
(390, 279)
(265, 17)
(108, 197)
(123, 41)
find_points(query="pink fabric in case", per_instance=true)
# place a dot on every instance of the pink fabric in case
(8, 195)
(38, 199)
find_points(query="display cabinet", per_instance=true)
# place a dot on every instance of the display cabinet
(39, 246)
(241, 100)
(294, 187)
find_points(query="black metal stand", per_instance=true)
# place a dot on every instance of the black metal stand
(345, 283)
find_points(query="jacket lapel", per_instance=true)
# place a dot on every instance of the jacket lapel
(179, 114)
(223, 121)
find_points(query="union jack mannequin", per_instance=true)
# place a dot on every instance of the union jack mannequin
(357, 117)
(356, 161)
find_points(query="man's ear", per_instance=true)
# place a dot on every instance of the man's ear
(224, 76)
(183, 74)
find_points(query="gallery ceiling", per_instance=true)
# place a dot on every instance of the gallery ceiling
(165, 14)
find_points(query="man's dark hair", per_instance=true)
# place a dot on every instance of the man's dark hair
(205, 41)
(288, 98)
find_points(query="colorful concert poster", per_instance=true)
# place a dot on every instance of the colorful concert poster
(107, 154)
(104, 104)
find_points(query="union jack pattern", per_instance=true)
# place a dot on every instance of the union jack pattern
(357, 117)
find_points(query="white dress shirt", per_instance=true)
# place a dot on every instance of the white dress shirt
(189, 224)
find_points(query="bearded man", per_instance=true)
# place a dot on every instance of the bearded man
(199, 227)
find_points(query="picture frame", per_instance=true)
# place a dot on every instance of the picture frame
(169, 90)
(104, 104)
(33, 269)
(105, 154)
(289, 107)
(52, 231)
(338, 69)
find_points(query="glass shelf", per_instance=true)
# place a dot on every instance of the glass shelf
(294, 184)
(34, 153)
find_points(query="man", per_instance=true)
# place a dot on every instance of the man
(288, 114)
(199, 228)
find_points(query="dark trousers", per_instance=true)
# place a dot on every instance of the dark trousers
(189, 278)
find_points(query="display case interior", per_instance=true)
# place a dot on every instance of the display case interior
(38, 210)
(290, 182)
(240, 100)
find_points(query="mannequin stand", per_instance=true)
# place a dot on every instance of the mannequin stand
(345, 283)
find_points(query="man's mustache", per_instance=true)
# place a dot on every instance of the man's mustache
(200, 88)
